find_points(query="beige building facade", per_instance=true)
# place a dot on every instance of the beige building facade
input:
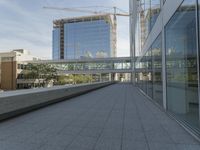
(11, 65)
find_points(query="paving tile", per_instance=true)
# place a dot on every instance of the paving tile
(111, 134)
(183, 138)
(52, 130)
(134, 125)
(187, 147)
(20, 137)
(91, 132)
(96, 121)
(61, 140)
(174, 129)
(83, 143)
(133, 135)
(77, 148)
(108, 144)
(79, 123)
(38, 139)
(69, 130)
(95, 124)
(6, 145)
(162, 146)
(4, 134)
(158, 136)
(52, 147)
(134, 145)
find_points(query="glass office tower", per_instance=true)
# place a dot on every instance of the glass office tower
(84, 37)
(165, 47)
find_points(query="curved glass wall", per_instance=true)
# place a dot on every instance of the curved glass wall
(181, 61)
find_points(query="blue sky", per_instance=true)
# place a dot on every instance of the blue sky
(25, 24)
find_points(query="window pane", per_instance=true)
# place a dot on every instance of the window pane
(155, 11)
(157, 70)
(181, 59)
(149, 74)
(147, 11)
(56, 43)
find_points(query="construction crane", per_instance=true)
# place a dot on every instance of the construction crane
(114, 14)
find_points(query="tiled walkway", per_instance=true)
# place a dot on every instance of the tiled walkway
(117, 117)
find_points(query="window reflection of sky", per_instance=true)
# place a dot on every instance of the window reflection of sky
(87, 39)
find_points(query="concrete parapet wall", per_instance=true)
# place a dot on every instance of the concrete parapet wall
(22, 101)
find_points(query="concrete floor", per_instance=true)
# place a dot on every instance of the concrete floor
(117, 117)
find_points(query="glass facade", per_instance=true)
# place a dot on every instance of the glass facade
(155, 11)
(167, 62)
(86, 37)
(56, 44)
(181, 61)
(149, 72)
(157, 70)
(149, 11)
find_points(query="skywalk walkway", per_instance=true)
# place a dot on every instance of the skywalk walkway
(117, 117)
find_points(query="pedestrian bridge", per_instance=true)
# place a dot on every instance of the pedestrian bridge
(90, 65)
(116, 117)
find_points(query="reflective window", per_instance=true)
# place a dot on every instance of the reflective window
(181, 61)
(139, 36)
(155, 11)
(148, 12)
(56, 43)
(149, 74)
(157, 70)
(91, 39)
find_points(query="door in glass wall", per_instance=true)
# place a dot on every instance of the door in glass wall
(157, 70)
(181, 61)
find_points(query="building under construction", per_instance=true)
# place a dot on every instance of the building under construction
(84, 37)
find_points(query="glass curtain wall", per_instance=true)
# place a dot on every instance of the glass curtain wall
(143, 74)
(147, 16)
(149, 11)
(149, 73)
(88, 39)
(56, 44)
(157, 70)
(181, 61)
(155, 11)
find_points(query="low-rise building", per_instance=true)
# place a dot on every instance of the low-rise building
(11, 65)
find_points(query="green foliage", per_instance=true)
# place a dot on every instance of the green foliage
(73, 79)
(62, 80)
(38, 71)
(82, 79)
(47, 72)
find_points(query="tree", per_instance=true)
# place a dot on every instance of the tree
(40, 71)
(65, 79)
